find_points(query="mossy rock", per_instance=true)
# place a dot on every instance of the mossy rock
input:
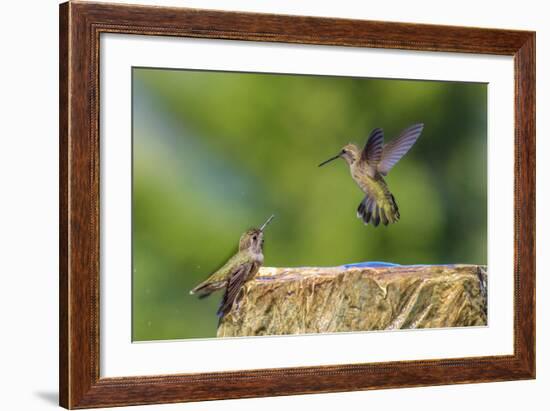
(358, 298)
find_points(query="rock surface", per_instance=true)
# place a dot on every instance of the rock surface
(360, 297)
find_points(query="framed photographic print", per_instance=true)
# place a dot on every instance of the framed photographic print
(256, 205)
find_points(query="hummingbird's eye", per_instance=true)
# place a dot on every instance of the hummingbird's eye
(254, 238)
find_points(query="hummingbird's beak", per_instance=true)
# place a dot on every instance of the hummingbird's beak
(329, 160)
(267, 222)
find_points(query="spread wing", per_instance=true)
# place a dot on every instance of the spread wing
(373, 149)
(397, 148)
(234, 285)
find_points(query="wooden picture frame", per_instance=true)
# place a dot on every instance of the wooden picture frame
(80, 27)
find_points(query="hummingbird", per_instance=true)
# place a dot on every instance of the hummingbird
(239, 269)
(368, 168)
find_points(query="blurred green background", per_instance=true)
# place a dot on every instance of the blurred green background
(216, 153)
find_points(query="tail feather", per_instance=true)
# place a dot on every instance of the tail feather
(201, 291)
(366, 209)
(371, 212)
(204, 289)
(383, 217)
(375, 220)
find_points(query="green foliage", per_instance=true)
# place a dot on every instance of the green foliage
(217, 153)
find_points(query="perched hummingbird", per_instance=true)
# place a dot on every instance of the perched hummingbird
(240, 268)
(368, 168)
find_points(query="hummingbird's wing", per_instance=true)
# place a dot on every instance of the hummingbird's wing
(372, 152)
(217, 280)
(397, 148)
(234, 285)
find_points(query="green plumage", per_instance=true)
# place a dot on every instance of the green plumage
(218, 280)
(368, 168)
(239, 269)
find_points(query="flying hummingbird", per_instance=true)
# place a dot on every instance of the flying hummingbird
(240, 268)
(368, 168)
